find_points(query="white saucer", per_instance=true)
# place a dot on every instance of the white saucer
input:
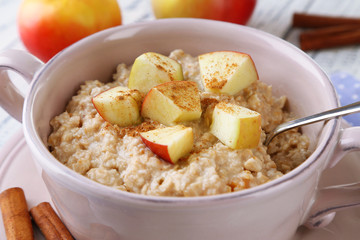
(17, 169)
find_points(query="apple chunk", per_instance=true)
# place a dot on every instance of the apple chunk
(151, 69)
(169, 143)
(227, 72)
(119, 105)
(172, 102)
(235, 126)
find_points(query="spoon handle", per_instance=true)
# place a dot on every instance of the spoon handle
(341, 111)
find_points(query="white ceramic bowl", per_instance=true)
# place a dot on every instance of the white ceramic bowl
(92, 211)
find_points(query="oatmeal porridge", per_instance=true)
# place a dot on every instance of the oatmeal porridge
(117, 156)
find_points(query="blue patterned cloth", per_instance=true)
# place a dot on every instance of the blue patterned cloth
(348, 89)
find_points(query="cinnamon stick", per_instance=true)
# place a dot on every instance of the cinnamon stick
(316, 21)
(328, 31)
(49, 223)
(16, 218)
(330, 37)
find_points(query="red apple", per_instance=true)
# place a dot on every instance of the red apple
(235, 11)
(47, 26)
(169, 143)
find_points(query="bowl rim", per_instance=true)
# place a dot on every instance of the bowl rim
(85, 186)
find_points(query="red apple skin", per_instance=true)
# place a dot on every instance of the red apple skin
(235, 11)
(158, 149)
(47, 26)
(99, 112)
(146, 98)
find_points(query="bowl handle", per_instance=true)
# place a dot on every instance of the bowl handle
(331, 199)
(11, 96)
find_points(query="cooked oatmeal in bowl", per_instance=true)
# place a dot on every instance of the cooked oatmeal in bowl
(117, 155)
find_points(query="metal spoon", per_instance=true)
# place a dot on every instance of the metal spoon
(336, 112)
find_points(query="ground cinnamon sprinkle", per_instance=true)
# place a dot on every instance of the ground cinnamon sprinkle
(161, 68)
(215, 82)
(182, 94)
(226, 108)
(205, 102)
(134, 131)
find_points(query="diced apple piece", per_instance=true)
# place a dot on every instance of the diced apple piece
(169, 143)
(151, 69)
(119, 105)
(227, 72)
(172, 102)
(235, 126)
